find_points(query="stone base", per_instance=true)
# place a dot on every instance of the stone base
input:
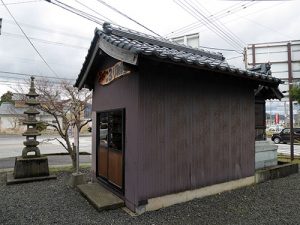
(77, 179)
(11, 180)
(265, 154)
(275, 172)
(31, 167)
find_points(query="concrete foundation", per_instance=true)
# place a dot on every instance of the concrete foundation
(172, 199)
(265, 154)
(31, 167)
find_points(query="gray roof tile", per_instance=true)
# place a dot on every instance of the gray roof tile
(148, 45)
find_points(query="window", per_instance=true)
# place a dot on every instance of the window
(115, 130)
(111, 129)
(286, 131)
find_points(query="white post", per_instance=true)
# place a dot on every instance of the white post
(76, 143)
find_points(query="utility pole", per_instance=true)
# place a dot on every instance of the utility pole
(245, 59)
(290, 73)
(0, 25)
(285, 113)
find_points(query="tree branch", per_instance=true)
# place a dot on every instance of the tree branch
(85, 123)
(62, 144)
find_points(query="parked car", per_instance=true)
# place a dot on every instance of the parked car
(284, 135)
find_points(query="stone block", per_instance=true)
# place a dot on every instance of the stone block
(275, 172)
(11, 180)
(77, 179)
(31, 167)
(265, 154)
(99, 197)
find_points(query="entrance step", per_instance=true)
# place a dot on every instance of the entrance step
(99, 197)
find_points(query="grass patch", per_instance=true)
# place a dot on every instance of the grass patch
(67, 168)
(65, 153)
(287, 159)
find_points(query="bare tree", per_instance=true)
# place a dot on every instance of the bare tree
(16, 118)
(67, 105)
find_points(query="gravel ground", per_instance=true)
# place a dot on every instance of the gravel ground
(53, 202)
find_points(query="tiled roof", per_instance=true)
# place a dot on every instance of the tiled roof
(139, 43)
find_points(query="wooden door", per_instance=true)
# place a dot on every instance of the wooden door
(111, 147)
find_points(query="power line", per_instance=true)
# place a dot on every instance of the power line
(82, 12)
(45, 41)
(218, 15)
(198, 15)
(221, 49)
(93, 10)
(17, 80)
(269, 28)
(219, 23)
(195, 13)
(26, 74)
(17, 3)
(128, 17)
(77, 12)
(26, 60)
(94, 18)
(29, 40)
(235, 57)
(46, 29)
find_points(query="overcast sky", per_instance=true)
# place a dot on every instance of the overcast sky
(63, 38)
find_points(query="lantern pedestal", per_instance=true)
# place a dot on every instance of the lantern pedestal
(31, 167)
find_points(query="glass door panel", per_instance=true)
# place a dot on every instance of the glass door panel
(110, 153)
(103, 144)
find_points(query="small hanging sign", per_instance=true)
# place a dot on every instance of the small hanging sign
(116, 71)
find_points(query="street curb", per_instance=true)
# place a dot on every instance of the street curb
(5, 170)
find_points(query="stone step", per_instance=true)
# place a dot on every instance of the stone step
(99, 197)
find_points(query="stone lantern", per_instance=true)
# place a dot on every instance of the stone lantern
(30, 167)
(31, 122)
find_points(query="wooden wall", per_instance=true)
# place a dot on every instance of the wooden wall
(185, 128)
(121, 93)
(195, 129)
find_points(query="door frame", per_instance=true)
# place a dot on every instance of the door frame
(103, 180)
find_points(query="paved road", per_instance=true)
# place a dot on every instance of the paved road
(285, 149)
(11, 146)
(53, 160)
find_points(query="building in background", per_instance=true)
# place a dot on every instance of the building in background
(12, 115)
(284, 57)
(192, 40)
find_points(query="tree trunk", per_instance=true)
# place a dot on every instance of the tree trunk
(73, 157)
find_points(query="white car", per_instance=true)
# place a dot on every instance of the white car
(275, 128)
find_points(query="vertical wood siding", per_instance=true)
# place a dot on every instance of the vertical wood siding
(185, 128)
(196, 129)
(121, 93)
